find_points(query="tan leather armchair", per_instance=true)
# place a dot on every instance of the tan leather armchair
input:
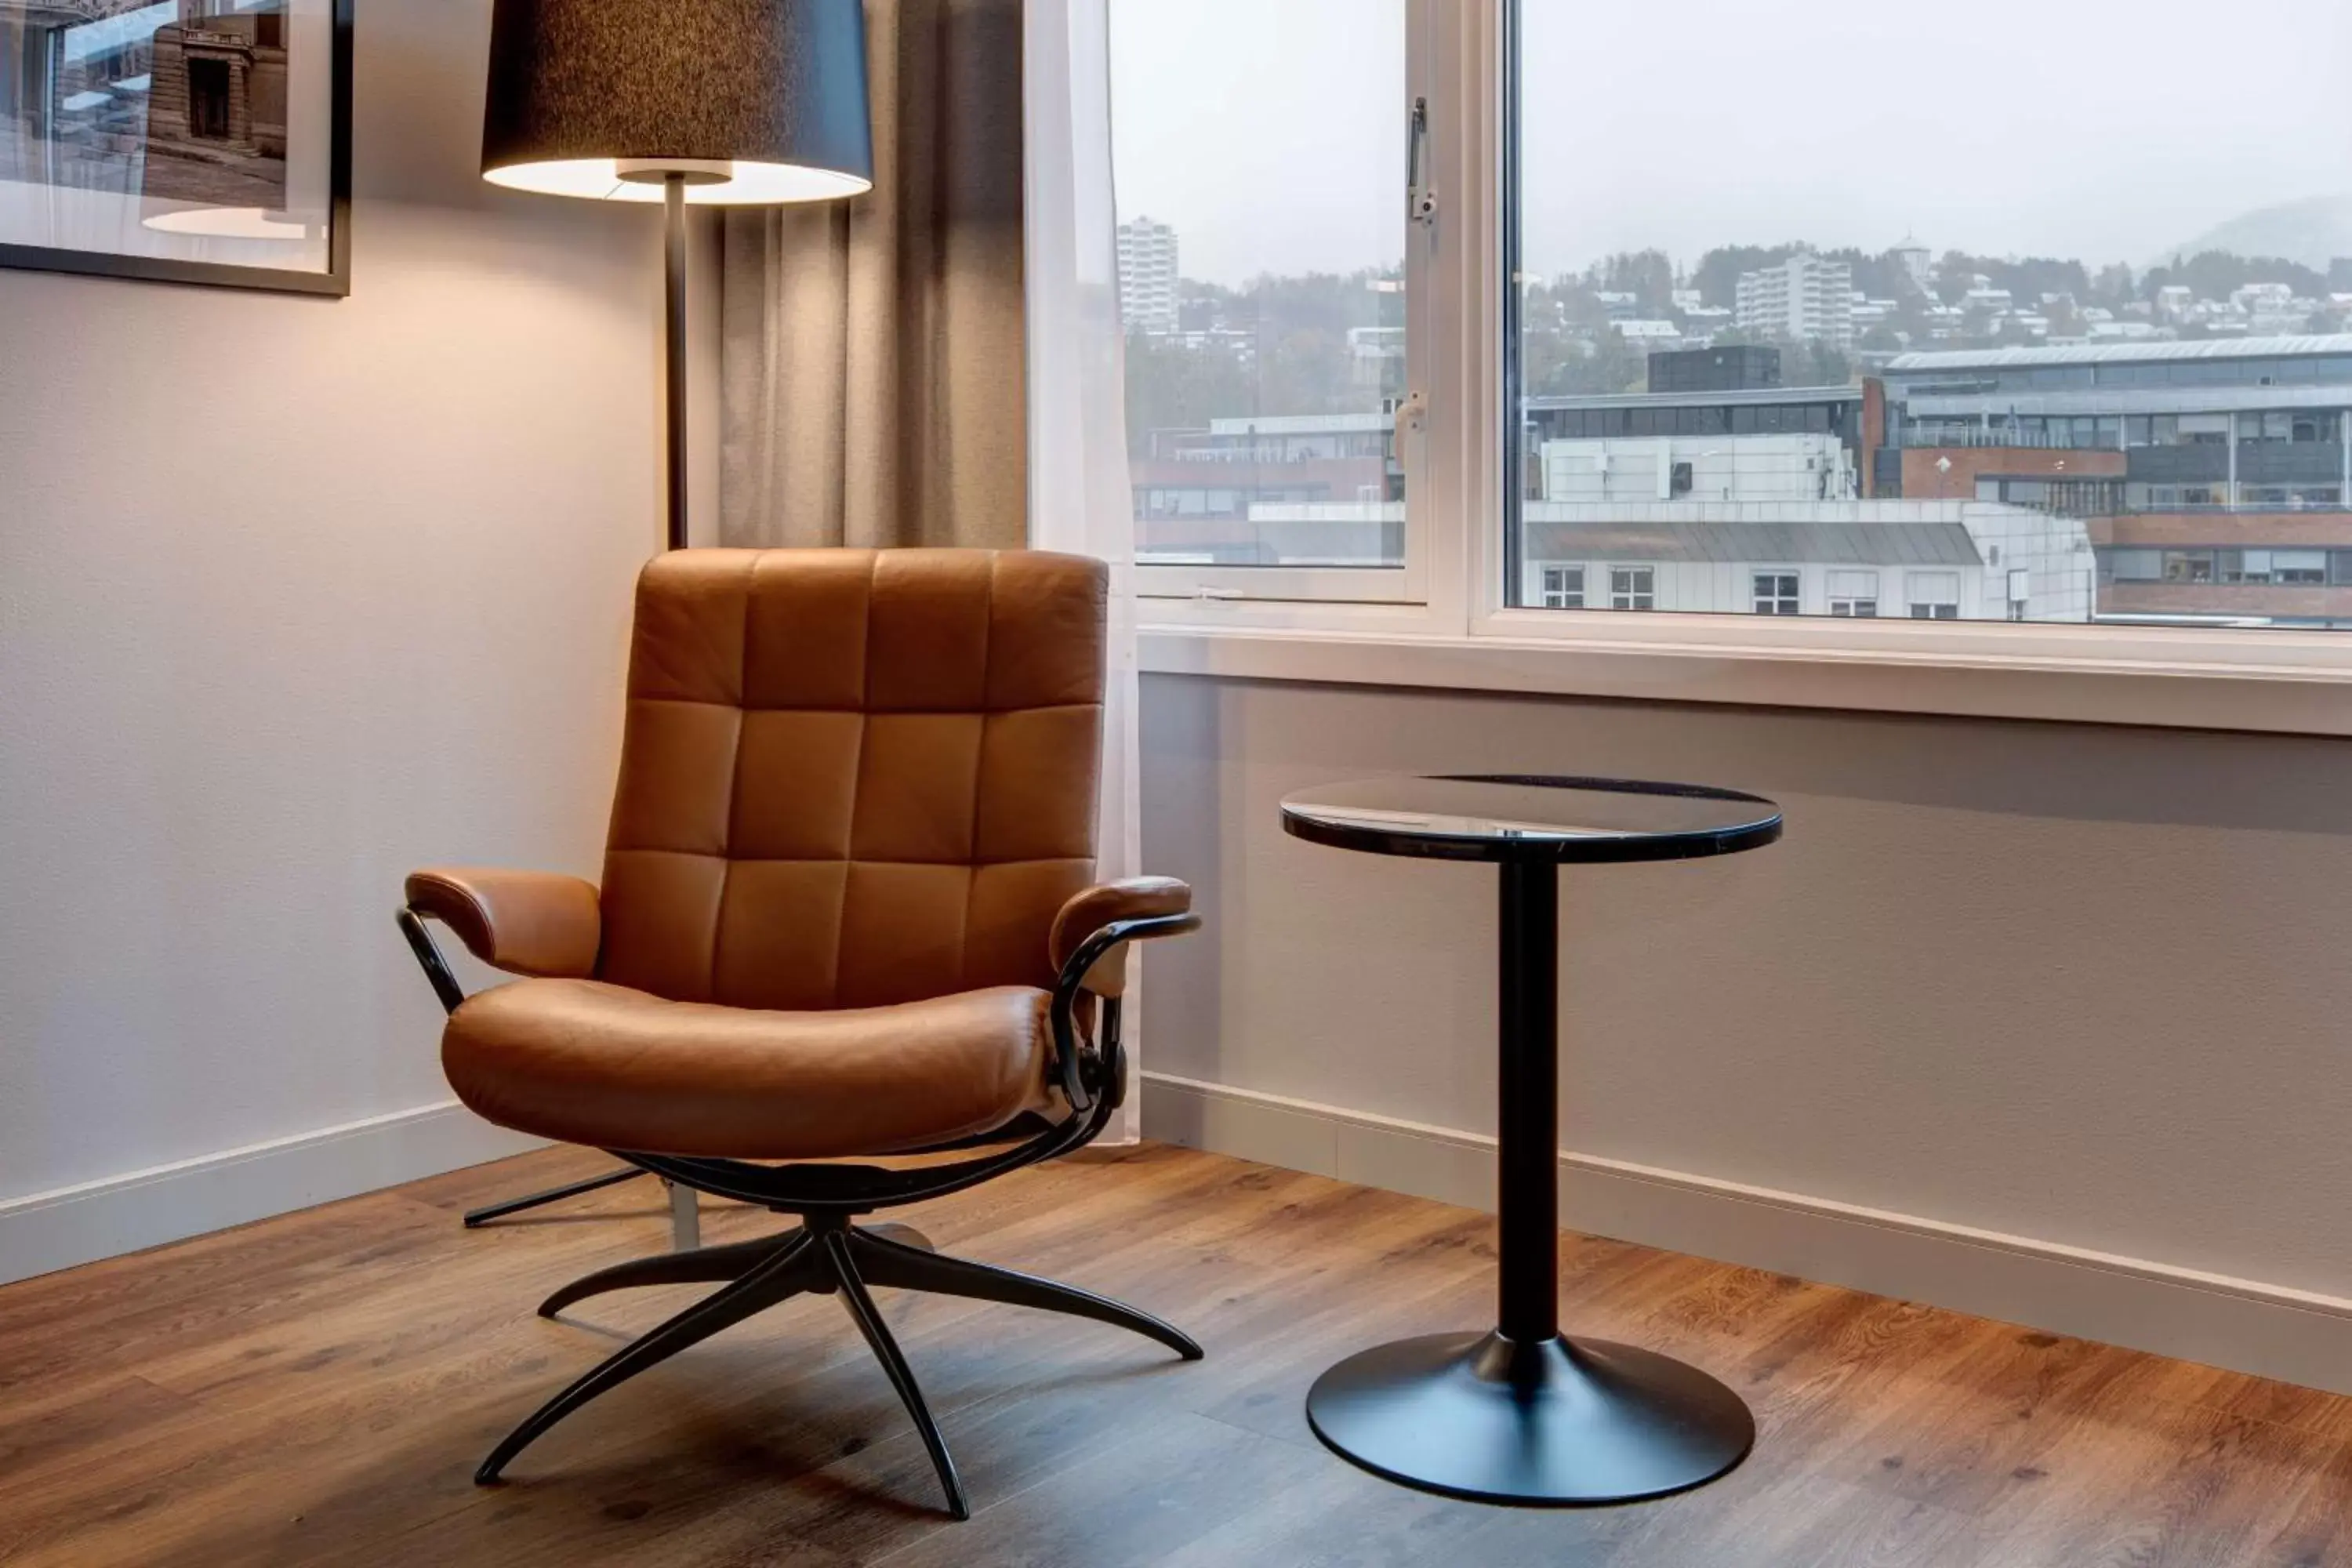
(848, 910)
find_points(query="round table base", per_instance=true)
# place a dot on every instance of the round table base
(1557, 1423)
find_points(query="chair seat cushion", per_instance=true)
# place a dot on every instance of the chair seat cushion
(586, 1062)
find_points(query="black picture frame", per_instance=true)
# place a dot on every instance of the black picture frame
(334, 282)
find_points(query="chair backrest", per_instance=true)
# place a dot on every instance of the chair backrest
(852, 777)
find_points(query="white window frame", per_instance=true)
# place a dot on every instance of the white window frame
(1843, 604)
(1630, 591)
(1447, 626)
(1915, 584)
(1583, 585)
(1758, 574)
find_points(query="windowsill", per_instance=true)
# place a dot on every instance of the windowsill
(1975, 670)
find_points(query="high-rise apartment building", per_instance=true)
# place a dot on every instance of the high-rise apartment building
(1918, 264)
(1804, 299)
(1147, 276)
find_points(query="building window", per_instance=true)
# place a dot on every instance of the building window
(1774, 593)
(2189, 566)
(1679, 480)
(1934, 596)
(1563, 587)
(2300, 568)
(1632, 587)
(1853, 594)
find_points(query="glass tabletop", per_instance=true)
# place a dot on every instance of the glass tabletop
(1531, 818)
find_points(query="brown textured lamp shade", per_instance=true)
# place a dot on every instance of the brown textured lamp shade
(749, 101)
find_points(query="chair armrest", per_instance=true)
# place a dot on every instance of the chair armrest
(1113, 904)
(1089, 942)
(526, 922)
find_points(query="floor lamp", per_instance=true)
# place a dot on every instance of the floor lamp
(684, 103)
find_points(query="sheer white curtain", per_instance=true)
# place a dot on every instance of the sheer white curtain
(1078, 496)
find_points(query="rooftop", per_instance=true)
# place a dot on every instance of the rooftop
(2123, 353)
(1754, 394)
(1837, 543)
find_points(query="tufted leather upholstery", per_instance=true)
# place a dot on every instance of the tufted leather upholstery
(852, 841)
(852, 777)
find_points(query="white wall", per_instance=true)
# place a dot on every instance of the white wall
(294, 595)
(2079, 987)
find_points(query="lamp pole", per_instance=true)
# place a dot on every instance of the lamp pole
(674, 204)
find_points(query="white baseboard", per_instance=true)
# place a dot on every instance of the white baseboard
(2270, 1331)
(53, 1230)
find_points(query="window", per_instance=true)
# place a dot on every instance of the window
(1934, 596)
(1563, 587)
(2301, 568)
(2304, 568)
(1853, 594)
(2089, 352)
(1774, 592)
(1269, 338)
(1582, 371)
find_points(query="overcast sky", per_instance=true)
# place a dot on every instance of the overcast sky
(1271, 132)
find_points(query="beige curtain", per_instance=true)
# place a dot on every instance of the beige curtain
(871, 369)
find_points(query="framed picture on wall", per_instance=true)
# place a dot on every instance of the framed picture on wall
(185, 141)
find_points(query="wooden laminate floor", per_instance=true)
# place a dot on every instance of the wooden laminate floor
(317, 1389)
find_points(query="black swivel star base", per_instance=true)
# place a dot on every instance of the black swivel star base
(826, 1256)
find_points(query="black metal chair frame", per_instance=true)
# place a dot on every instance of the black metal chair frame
(828, 1252)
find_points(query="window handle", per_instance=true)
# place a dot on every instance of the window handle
(1420, 196)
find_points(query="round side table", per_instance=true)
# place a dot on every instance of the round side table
(1522, 1414)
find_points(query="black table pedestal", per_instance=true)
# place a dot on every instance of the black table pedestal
(1523, 1414)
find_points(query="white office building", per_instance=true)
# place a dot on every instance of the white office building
(1919, 560)
(1795, 467)
(1771, 525)
(1147, 276)
(1803, 299)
